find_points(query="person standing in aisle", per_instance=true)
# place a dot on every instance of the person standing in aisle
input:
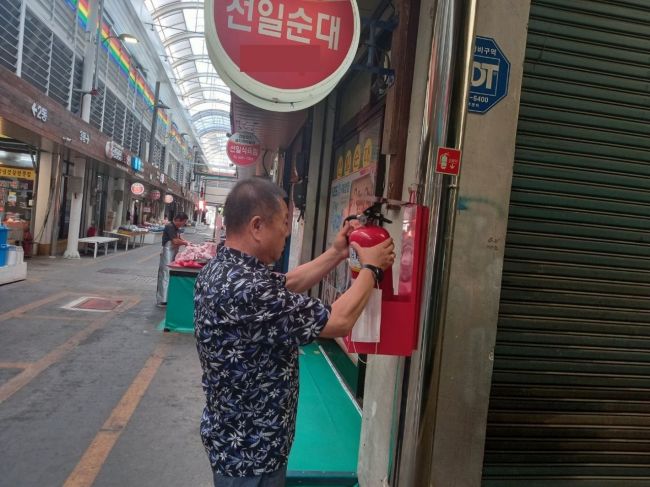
(249, 323)
(171, 241)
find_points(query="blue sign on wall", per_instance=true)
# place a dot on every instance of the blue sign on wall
(136, 163)
(490, 76)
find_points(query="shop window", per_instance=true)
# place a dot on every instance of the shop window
(16, 192)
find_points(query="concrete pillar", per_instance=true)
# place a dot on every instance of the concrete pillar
(90, 56)
(42, 230)
(72, 249)
(468, 327)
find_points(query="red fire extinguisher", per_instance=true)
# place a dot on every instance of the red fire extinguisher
(369, 234)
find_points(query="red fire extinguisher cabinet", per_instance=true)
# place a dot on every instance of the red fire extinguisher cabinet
(400, 313)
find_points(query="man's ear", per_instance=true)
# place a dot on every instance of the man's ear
(255, 226)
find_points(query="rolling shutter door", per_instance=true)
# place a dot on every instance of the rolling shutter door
(570, 399)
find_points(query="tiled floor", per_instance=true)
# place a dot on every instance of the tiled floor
(96, 398)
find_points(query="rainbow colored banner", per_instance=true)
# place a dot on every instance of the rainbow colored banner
(82, 11)
(115, 49)
(118, 55)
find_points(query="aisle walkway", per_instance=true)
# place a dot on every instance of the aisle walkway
(96, 397)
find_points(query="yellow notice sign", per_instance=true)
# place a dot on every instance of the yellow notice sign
(17, 172)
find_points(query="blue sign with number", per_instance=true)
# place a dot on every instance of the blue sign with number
(490, 76)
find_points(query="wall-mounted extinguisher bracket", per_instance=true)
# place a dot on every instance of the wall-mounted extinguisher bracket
(401, 297)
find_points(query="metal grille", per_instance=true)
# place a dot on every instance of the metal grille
(75, 107)
(60, 72)
(37, 49)
(97, 106)
(136, 141)
(128, 131)
(570, 399)
(114, 74)
(9, 30)
(109, 114)
(120, 115)
(65, 18)
(144, 139)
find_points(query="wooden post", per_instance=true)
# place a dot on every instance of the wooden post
(398, 99)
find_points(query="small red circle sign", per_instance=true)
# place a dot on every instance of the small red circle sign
(137, 189)
(243, 148)
(169, 198)
(287, 54)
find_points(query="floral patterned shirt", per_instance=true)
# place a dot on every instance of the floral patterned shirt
(248, 327)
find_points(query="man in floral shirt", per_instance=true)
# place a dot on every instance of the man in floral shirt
(249, 323)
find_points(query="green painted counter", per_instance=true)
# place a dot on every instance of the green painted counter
(179, 316)
(326, 446)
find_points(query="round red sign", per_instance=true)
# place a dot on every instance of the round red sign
(243, 148)
(282, 55)
(137, 189)
(169, 198)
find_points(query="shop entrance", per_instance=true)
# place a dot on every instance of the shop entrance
(17, 177)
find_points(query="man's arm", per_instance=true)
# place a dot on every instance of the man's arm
(311, 273)
(178, 241)
(347, 309)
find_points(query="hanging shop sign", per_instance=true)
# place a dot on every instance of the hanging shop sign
(282, 56)
(490, 76)
(17, 172)
(137, 189)
(243, 148)
(154, 195)
(116, 151)
(136, 163)
(168, 198)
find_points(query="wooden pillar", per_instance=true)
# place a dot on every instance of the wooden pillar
(398, 98)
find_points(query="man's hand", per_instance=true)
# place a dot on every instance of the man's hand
(381, 255)
(340, 244)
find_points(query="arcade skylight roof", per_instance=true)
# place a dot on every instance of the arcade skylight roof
(207, 98)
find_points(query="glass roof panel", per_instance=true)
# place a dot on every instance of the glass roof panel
(204, 94)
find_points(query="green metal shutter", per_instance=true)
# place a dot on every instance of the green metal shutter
(570, 399)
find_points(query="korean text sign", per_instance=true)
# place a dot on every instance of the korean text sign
(282, 49)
